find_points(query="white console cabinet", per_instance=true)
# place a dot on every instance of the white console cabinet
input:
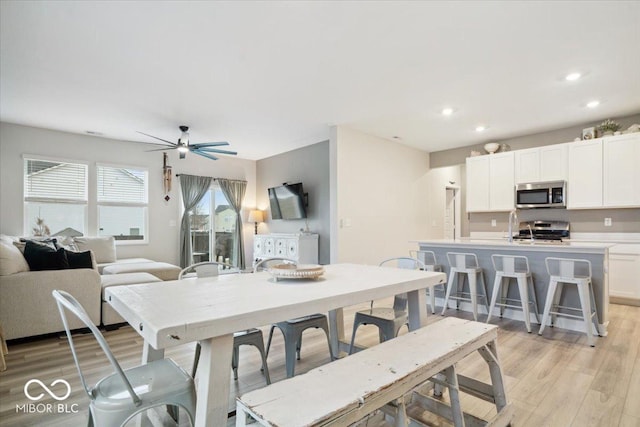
(302, 248)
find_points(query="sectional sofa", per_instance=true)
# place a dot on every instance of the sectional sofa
(27, 307)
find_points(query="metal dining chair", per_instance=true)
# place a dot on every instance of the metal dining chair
(121, 396)
(251, 336)
(292, 329)
(430, 262)
(207, 269)
(389, 320)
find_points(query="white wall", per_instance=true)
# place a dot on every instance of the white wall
(379, 195)
(164, 217)
(437, 180)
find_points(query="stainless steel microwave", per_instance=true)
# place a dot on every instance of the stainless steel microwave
(552, 194)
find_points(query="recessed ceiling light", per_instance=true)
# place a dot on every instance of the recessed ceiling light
(573, 77)
(593, 104)
(481, 128)
(447, 111)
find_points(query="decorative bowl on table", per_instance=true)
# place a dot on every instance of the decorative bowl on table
(292, 271)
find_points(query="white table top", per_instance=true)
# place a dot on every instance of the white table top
(176, 312)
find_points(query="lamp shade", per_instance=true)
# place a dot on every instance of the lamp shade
(256, 216)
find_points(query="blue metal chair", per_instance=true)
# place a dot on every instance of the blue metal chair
(292, 329)
(251, 336)
(389, 320)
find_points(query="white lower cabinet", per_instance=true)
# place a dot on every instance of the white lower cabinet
(302, 248)
(624, 273)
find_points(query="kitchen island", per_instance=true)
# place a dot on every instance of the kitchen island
(536, 252)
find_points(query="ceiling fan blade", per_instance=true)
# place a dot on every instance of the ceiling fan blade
(161, 149)
(209, 144)
(160, 139)
(208, 156)
(182, 155)
(214, 150)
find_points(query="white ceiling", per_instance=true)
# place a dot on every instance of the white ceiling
(272, 76)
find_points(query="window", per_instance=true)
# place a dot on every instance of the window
(122, 202)
(55, 197)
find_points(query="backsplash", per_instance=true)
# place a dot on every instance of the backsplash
(582, 221)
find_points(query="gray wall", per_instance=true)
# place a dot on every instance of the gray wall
(164, 216)
(309, 165)
(583, 221)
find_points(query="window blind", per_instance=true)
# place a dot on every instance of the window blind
(55, 180)
(121, 185)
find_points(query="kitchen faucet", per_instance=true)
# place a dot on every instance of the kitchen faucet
(513, 216)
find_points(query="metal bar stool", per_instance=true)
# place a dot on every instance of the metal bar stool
(571, 271)
(509, 267)
(428, 258)
(465, 264)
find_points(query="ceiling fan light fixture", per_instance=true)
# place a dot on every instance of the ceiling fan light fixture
(182, 148)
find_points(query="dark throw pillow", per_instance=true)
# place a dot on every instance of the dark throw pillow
(44, 257)
(79, 259)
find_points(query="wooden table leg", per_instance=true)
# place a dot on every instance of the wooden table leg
(213, 381)
(149, 354)
(336, 330)
(417, 304)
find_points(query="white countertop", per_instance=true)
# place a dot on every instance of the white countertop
(520, 245)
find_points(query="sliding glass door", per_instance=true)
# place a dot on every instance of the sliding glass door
(213, 225)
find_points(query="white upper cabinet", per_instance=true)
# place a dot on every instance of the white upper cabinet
(490, 182)
(501, 182)
(548, 163)
(584, 183)
(478, 184)
(621, 171)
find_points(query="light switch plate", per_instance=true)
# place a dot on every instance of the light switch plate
(607, 222)
(494, 223)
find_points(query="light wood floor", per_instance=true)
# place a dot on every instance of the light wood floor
(554, 380)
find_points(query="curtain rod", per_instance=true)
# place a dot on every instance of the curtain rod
(216, 179)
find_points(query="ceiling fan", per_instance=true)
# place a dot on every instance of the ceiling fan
(204, 149)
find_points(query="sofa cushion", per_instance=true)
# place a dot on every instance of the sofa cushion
(102, 265)
(79, 259)
(40, 256)
(109, 280)
(11, 260)
(161, 270)
(104, 248)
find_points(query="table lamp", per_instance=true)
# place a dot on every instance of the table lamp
(256, 216)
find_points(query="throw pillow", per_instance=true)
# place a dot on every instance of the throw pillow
(11, 260)
(42, 257)
(103, 248)
(20, 244)
(79, 259)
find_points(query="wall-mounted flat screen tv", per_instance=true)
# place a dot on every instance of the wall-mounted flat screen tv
(288, 201)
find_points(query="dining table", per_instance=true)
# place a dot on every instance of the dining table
(209, 310)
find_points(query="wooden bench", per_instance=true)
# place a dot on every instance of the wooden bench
(350, 389)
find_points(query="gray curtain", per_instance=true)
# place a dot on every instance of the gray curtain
(193, 190)
(234, 192)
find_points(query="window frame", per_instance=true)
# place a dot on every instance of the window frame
(26, 226)
(144, 205)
